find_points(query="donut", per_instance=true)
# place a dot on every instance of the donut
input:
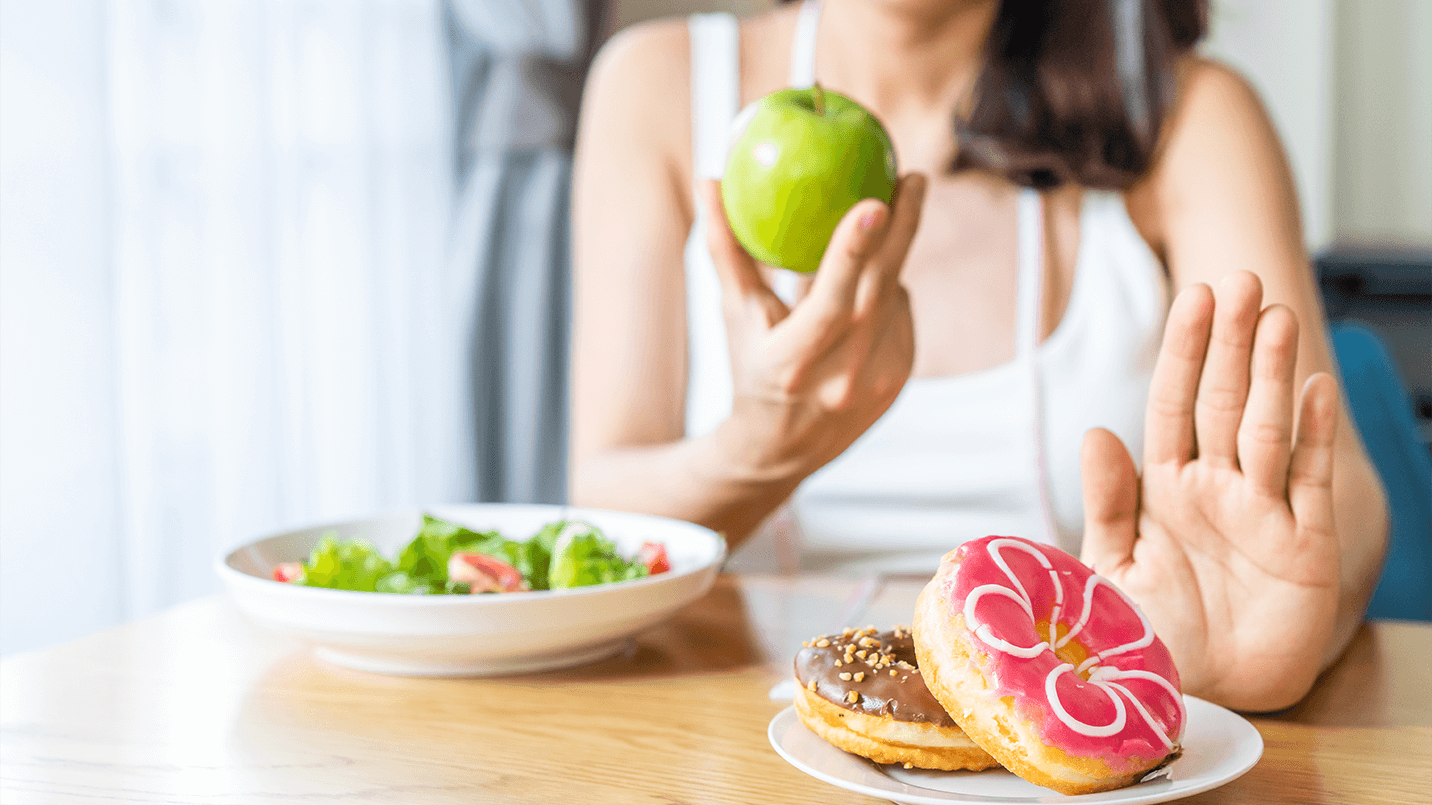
(1048, 666)
(861, 691)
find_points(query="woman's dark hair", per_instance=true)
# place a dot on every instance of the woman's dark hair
(1076, 90)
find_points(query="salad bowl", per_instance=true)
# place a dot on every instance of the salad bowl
(472, 635)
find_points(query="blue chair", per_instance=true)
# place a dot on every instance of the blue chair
(1383, 411)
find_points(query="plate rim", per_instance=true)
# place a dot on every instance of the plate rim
(944, 798)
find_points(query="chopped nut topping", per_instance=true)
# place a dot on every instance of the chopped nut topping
(892, 672)
(909, 765)
(845, 677)
(860, 654)
(907, 666)
(805, 643)
(822, 643)
(810, 685)
(852, 697)
(869, 642)
(859, 676)
(849, 630)
(838, 663)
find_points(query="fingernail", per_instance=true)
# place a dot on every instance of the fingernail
(872, 219)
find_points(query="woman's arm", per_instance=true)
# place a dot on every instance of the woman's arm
(807, 380)
(1254, 536)
(1226, 202)
(632, 210)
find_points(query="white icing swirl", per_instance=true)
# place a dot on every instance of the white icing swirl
(1112, 728)
(1103, 677)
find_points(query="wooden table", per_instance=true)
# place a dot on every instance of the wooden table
(197, 705)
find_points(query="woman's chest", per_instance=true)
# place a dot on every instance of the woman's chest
(962, 273)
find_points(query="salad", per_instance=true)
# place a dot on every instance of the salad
(447, 558)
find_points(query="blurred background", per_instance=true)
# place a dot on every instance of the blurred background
(271, 262)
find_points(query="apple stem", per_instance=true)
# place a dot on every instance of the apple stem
(818, 97)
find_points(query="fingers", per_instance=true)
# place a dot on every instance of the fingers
(856, 238)
(1310, 474)
(1265, 435)
(889, 257)
(1223, 385)
(865, 253)
(1111, 501)
(1168, 421)
(739, 273)
(909, 202)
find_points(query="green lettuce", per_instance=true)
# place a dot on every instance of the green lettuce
(585, 557)
(400, 582)
(425, 559)
(345, 565)
(561, 554)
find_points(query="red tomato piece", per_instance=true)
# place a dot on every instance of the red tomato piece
(653, 555)
(485, 574)
(288, 572)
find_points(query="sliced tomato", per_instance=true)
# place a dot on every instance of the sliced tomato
(653, 555)
(288, 572)
(485, 574)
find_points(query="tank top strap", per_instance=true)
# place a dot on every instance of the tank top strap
(715, 89)
(1030, 256)
(803, 45)
(1029, 303)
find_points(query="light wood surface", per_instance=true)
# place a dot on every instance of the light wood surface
(199, 706)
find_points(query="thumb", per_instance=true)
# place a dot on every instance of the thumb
(856, 237)
(1111, 501)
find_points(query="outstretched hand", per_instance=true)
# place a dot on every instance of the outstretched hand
(1227, 540)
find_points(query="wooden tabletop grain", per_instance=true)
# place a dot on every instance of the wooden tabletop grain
(197, 705)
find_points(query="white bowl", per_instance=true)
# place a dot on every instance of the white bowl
(474, 635)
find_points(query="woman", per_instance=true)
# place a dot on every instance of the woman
(964, 358)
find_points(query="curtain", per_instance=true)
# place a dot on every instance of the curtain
(517, 72)
(227, 303)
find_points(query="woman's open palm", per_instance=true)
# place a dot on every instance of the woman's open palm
(1227, 540)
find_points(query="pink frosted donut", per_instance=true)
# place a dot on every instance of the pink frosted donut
(1047, 666)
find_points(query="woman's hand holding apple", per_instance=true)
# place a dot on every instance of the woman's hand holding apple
(809, 379)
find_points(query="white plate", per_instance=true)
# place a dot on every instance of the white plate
(474, 635)
(1218, 746)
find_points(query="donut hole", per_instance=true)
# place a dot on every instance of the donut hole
(1072, 652)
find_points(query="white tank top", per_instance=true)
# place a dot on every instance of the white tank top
(955, 457)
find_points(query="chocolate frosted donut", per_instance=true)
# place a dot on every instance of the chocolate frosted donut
(862, 691)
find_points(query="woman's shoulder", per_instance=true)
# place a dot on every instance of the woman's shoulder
(650, 44)
(636, 107)
(638, 92)
(652, 59)
(1212, 93)
(1218, 138)
(1217, 116)
(648, 61)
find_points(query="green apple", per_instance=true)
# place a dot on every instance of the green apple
(799, 159)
